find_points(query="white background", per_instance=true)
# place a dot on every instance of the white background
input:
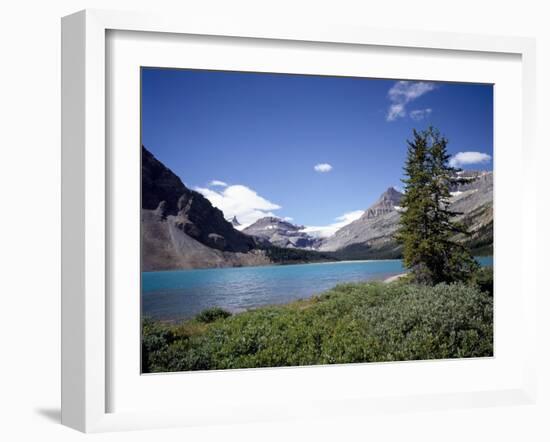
(29, 222)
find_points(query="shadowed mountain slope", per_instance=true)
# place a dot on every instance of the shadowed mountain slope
(164, 192)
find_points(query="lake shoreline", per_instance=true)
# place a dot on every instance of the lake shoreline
(287, 264)
(179, 295)
(274, 264)
(395, 277)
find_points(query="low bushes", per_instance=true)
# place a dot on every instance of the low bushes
(212, 314)
(366, 322)
(483, 279)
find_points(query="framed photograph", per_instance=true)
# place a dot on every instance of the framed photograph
(278, 222)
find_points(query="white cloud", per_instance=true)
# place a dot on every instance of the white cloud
(404, 92)
(396, 111)
(288, 218)
(468, 158)
(240, 201)
(420, 114)
(330, 229)
(322, 167)
(218, 183)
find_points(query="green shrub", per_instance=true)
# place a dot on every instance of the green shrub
(155, 339)
(483, 279)
(367, 322)
(212, 314)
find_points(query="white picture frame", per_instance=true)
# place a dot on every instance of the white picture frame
(85, 202)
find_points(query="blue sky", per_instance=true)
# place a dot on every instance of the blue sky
(250, 142)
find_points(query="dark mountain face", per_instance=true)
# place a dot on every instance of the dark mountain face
(158, 183)
(281, 233)
(165, 194)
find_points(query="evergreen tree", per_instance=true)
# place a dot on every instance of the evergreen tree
(427, 226)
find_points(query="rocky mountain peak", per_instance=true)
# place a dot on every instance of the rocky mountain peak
(235, 222)
(387, 202)
(391, 194)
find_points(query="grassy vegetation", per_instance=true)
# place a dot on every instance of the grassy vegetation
(363, 322)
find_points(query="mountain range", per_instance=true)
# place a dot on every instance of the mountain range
(371, 236)
(182, 229)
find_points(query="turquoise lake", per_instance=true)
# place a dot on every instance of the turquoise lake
(180, 294)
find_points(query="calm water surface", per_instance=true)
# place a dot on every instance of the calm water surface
(182, 294)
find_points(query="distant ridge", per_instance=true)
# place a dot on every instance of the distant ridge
(281, 233)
